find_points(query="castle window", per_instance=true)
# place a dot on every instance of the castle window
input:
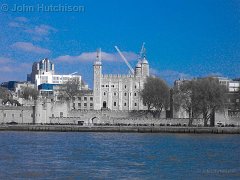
(91, 98)
(79, 98)
(102, 85)
(135, 87)
(125, 104)
(79, 104)
(107, 86)
(135, 94)
(125, 94)
(85, 98)
(85, 104)
(115, 94)
(115, 104)
(104, 93)
(135, 104)
(125, 86)
(91, 104)
(113, 86)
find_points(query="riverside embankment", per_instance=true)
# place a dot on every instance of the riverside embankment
(136, 129)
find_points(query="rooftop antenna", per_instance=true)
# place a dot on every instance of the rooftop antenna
(99, 55)
(181, 77)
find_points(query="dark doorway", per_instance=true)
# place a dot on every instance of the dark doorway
(80, 123)
(104, 104)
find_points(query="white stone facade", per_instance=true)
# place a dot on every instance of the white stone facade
(119, 92)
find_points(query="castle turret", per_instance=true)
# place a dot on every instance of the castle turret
(38, 113)
(138, 69)
(97, 75)
(145, 67)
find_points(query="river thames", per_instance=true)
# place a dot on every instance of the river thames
(67, 155)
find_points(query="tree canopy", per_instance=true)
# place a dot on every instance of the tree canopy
(209, 95)
(201, 96)
(70, 89)
(155, 95)
(183, 99)
(4, 93)
(29, 93)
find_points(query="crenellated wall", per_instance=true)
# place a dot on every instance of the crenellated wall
(18, 114)
(46, 111)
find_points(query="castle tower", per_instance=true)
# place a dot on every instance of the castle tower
(145, 67)
(38, 111)
(138, 69)
(97, 76)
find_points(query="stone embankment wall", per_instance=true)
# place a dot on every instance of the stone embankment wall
(136, 129)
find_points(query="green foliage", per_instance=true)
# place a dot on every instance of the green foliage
(201, 96)
(4, 93)
(183, 98)
(29, 93)
(155, 95)
(208, 97)
(70, 89)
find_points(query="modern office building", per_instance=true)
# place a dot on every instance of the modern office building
(43, 72)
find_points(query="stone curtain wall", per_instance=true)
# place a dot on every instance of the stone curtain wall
(117, 117)
(51, 113)
(16, 114)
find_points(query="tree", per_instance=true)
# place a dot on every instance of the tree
(208, 96)
(70, 89)
(201, 96)
(29, 93)
(183, 99)
(4, 93)
(155, 95)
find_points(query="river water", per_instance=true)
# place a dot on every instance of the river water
(67, 155)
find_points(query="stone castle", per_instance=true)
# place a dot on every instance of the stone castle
(119, 92)
(114, 99)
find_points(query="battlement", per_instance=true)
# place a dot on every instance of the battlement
(16, 108)
(117, 76)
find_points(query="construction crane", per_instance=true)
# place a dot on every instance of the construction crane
(142, 50)
(73, 73)
(125, 60)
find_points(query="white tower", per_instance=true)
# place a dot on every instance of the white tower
(97, 76)
(145, 65)
(138, 69)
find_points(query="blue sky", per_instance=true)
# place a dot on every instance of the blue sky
(187, 38)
